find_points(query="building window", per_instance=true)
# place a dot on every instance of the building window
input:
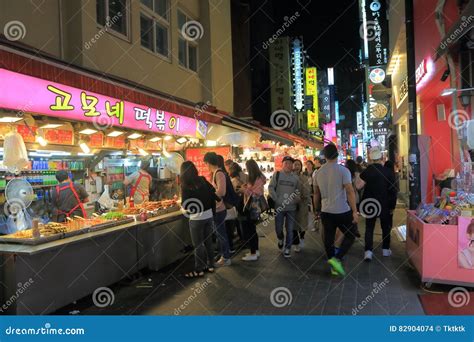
(113, 14)
(154, 26)
(187, 48)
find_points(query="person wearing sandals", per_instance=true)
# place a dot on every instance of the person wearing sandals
(253, 189)
(199, 202)
(302, 209)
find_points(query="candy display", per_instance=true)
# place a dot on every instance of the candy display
(447, 207)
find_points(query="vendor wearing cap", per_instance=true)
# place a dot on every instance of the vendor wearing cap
(140, 182)
(68, 198)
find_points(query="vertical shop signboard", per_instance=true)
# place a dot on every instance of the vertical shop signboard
(376, 32)
(196, 155)
(312, 90)
(280, 74)
(297, 74)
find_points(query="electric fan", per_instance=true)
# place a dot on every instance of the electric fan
(19, 195)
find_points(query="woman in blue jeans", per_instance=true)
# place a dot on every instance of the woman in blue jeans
(199, 202)
(219, 183)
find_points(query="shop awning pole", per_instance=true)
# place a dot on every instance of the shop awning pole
(414, 151)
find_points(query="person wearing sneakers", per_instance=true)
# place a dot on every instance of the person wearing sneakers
(379, 188)
(335, 202)
(302, 210)
(252, 189)
(219, 182)
(285, 190)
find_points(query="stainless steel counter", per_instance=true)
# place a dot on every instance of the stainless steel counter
(62, 271)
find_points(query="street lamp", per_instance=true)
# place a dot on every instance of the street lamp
(450, 91)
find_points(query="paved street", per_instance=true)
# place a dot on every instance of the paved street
(387, 286)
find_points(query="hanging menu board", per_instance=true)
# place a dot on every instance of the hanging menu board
(196, 155)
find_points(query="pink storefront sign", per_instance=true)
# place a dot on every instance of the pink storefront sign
(35, 95)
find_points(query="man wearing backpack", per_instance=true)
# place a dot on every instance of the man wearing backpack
(224, 190)
(285, 190)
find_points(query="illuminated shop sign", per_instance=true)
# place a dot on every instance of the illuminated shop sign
(375, 31)
(18, 91)
(312, 90)
(297, 73)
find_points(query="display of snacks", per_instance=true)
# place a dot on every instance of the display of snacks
(52, 228)
(114, 215)
(447, 207)
(78, 225)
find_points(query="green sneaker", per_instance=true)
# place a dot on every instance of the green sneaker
(337, 266)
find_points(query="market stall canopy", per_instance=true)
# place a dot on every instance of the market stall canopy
(240, 138)
(459, 29)
(273, 136)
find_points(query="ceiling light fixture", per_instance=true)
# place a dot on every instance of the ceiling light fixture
(51, 126)
(115, 134)
(134, 136)
(88, 131)
(10, 119)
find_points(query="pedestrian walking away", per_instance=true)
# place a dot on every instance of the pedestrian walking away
(375, 203)
(334, 199)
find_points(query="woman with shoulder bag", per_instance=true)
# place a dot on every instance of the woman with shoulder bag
(199, 203)
(239, 178)
(255, 203)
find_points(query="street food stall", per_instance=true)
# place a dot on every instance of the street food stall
(99, 141)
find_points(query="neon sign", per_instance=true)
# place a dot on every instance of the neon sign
(298, 87)
(18, 91)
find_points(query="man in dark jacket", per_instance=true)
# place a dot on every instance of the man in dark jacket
(375, 203)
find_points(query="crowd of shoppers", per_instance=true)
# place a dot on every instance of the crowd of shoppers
(300, 194)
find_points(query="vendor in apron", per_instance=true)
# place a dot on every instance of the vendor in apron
(140, 182)
(68, 198)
